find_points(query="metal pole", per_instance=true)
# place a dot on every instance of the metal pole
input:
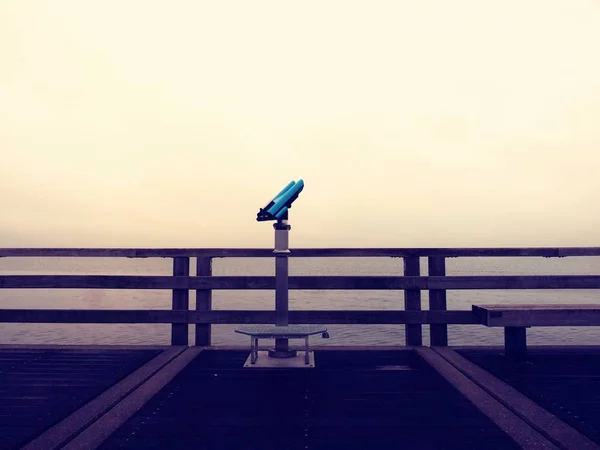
(282, 251)
(281, 290)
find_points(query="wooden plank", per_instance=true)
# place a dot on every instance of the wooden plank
(100, 430)
(547, 252)
(481, 313)
(505, 419)
(546, 348)
(538, 315)
(66, 429)
(181, 301)
(543, 421)
(203, 302)
(234, 316)
(299, 282)
(437, 301)
(544, 307)
(93, 348)
(412, 301)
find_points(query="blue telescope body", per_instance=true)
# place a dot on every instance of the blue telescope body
(277, 208)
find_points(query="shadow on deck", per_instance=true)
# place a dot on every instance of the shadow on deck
(182, 398)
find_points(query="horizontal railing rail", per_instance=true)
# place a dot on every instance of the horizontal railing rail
(300, 282)
(548, 252)
(203, 316)
(236, 316)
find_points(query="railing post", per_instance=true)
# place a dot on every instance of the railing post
(412, 301)
(203, 301)
(437, 301)
(181, 300)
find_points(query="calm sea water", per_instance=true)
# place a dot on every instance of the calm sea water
(340, 334)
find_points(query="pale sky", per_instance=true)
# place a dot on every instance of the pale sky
(412, 123)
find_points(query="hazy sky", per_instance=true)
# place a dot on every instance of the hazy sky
(413, 123)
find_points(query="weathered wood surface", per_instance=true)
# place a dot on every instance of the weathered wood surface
(548, 252)
(101, 429)
(203, 398)
(180, 301)
(543, 421)
(350, 400)
(299, 282)
(67, 428)
(203, 302)
(437, 300)
(74, 348)
(234, 316)
(565, 382)
(412, 301)
(39, 388)
(538, 307)
(538, 315)
(509, 422)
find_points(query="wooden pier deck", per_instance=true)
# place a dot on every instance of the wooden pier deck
(203, 398)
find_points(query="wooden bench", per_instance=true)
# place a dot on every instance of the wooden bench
(516, 318)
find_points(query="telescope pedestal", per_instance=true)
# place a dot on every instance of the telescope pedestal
(282, 251)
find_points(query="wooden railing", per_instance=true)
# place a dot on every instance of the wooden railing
(204, 283)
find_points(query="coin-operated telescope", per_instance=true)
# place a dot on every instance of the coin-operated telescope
(277, 209)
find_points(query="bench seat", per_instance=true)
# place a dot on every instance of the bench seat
(516, 318)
